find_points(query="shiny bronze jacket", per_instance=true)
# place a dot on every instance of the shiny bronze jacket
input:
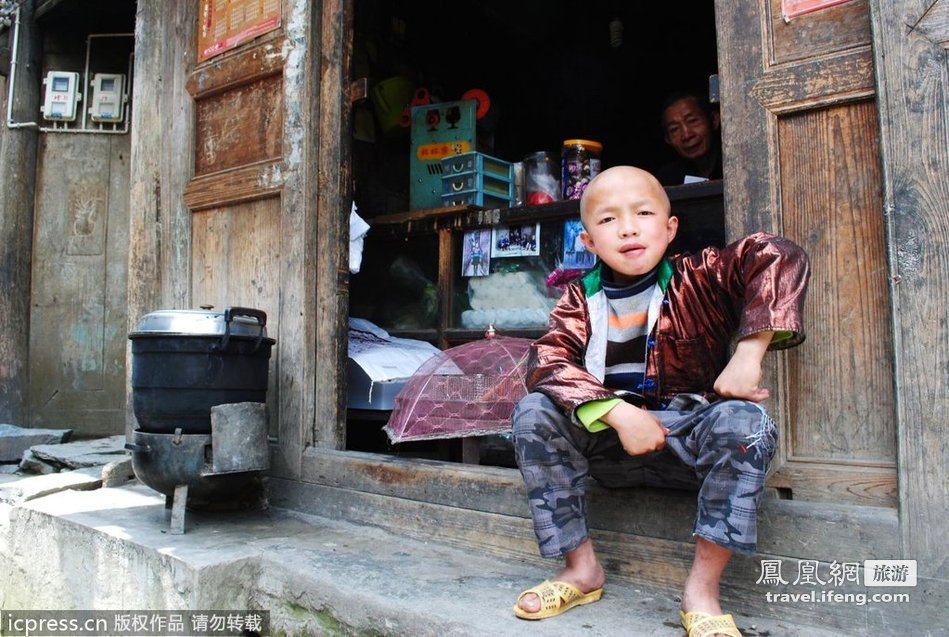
(702, 301)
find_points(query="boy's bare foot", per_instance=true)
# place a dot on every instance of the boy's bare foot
(582, 570)
(701, 592)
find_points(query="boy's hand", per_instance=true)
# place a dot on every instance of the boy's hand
(742, 375)
(639, 431)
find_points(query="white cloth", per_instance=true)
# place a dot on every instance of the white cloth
(357, 235)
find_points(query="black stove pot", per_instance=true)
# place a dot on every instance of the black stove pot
(165, 462)
(186, 361)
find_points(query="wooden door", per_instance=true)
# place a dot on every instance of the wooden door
(802, 158)
(225, 192)
(78, 317)
(234, 197)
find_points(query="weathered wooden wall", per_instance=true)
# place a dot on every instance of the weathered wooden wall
(17, 181)
(78, 317)
(159, 223)
(911, 50)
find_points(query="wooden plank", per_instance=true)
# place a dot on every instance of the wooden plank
(913, 77)
(836, 215)
(159, 223)
(233, 263)
(821, 33)
(239, 126)
(802, 529)
(177, 133)
(18, 179)
(237, 185)
(479, 487)
(816, 83)
(817, 482)
(296, 349)
(249, 65)
(747, 131)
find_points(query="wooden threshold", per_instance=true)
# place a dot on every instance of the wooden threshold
(798, 529)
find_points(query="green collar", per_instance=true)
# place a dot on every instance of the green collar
(593, 280)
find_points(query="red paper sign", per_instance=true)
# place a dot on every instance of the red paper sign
(224, 24)
(791, 8)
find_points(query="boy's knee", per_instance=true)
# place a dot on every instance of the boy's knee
(533, 409)
(750, 423)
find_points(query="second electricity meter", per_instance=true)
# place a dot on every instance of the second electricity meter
(108, 98)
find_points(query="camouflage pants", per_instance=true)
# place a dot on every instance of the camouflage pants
(721, 450)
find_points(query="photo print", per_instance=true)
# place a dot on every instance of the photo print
(522, 240)
(476, 253)
(575, 254)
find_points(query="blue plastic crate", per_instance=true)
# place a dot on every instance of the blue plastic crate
(476, 198)
(459, 182)
(478, 163)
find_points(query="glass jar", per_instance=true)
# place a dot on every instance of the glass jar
(580, 162)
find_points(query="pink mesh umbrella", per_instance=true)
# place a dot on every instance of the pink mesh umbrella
(468, 390)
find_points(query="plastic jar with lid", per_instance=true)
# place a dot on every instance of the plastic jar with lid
(580, 162)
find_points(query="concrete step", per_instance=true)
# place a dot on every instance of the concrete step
(111, 549)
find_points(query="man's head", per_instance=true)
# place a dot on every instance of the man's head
(688, 125)
(626, 220)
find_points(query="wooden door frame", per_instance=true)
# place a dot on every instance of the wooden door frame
(911, 46)
(18, 176)
(332, 118)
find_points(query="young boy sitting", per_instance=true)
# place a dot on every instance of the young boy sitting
(633, 385)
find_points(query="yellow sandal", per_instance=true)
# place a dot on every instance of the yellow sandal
(699, 624)
(556, 598)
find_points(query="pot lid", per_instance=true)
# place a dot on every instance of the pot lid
(243, 322)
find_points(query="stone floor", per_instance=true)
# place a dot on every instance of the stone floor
(110, 548)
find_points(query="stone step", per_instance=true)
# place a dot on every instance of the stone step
(316, 575)
(15, 440)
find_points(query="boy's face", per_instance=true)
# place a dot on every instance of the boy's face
(626, 221)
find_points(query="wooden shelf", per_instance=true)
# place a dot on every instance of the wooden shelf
(461, 218)
(699, 206)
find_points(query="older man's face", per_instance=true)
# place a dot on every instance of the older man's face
(688, 128)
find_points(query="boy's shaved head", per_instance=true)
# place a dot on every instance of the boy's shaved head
(623, 177)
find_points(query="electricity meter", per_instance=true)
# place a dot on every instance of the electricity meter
(62, 96)
(108, 98)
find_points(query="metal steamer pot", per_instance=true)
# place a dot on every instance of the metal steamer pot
(186, 361)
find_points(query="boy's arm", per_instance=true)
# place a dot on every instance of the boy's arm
(741, 377)
(769, 275)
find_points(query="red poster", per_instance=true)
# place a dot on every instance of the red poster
(225, 24)
(791, 8)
